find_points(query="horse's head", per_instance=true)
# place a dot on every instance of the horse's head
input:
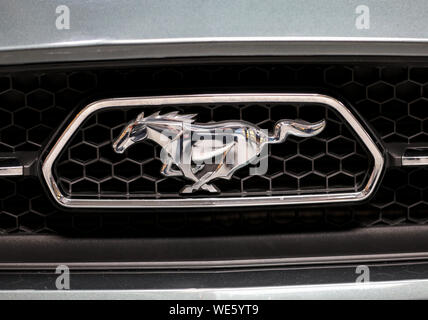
(135, 131)
(166, 125)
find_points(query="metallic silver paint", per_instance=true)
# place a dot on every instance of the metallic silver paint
(214, 202)
(101, 29)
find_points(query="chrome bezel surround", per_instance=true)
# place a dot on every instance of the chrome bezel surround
(363, 194)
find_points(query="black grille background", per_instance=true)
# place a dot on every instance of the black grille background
(391, 97)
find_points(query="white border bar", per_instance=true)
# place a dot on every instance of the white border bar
(386, 290)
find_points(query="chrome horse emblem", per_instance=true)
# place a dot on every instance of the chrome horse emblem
(207, 151)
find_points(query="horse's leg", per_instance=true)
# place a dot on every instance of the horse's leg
(222, 169)
(167, 171)
(197, 185)
(202, 183)
(210, 188)
(197, 168)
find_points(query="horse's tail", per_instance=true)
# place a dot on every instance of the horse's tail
(302, 128)
(299, 128)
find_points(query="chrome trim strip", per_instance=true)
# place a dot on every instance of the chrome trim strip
(415, 156)
(414, 161)
(382, 290)
(79, 52)
(213, 202)
(12, 171)
(10, 167)
(210, 40)
(220, 264)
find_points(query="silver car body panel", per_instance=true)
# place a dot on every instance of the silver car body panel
(132, 29)
(102, 30)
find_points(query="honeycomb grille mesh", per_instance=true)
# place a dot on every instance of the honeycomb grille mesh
(392, 98)
(402, 199)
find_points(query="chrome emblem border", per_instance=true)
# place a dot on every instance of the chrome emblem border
(367, 190)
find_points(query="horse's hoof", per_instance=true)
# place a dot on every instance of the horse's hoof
(206, 187)
(172, 173)
(210, 188)
(187, 189)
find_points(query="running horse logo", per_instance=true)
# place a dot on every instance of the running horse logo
(206, 151)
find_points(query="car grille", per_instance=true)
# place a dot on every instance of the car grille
(35, 106)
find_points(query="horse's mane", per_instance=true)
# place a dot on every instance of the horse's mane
(171, 116)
